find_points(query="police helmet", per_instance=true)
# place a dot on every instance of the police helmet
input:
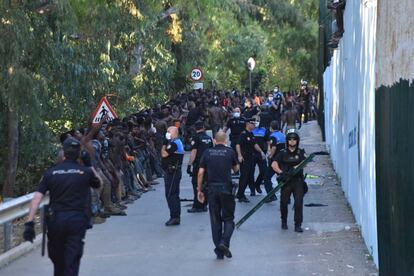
(292, 133)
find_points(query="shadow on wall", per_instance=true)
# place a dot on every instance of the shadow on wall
(349, 86)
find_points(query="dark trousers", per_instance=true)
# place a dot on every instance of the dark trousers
(262, 169)
(221, 206)
(294, 186)
(197, 204)
(268, 178)
(156, 165)
(172, 192)
(246, 175)
(233, 141)
(306, 111)
(66, 231)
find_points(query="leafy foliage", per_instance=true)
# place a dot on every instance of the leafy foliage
(58, 58)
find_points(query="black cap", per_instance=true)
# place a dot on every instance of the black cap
(199, 125)
(250, 120)
(71, 144)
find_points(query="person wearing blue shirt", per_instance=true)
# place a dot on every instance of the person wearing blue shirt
(276, 142)
(172, 154)
(261, 135)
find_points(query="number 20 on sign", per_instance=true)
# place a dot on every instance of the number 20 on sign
(196, 74)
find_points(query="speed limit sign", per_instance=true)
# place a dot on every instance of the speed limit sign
(196, 74)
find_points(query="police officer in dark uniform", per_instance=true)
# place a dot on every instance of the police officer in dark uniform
(217, 163)
(277, 142)
(249, 109)
(284, 165)
(199, 143)
(172, 154)
(246, 147)
(265, 116)
(236, 125)
(68, 184)
(261, 135)
(276, 106)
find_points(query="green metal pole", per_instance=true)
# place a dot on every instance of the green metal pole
(277, 188)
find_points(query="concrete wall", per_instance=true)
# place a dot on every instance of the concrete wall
(349, 86)
(394, 114)
(395, 50)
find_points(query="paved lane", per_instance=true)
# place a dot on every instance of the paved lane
(140, 244)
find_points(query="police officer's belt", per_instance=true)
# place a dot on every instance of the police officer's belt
(218, 184)
(174, 167)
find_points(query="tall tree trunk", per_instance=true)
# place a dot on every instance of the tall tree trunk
(137, 54)
(13, 145)
(138, 50)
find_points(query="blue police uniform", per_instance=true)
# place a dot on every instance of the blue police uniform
(69, 186)
(172, 177)
(236, 126)
(247, 142)
(201, 141)
(261, 136)
(287, 160)
(277, 140)
(218, 163)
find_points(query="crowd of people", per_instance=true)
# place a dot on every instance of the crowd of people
(126, 153)
(102, 168)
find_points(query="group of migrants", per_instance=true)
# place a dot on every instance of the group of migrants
(103, 168)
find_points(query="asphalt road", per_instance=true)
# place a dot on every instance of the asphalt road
(140, 244)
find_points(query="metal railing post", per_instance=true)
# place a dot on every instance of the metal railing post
(13, 208)
(7, 232)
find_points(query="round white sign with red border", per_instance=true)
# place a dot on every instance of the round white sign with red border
(196, 74)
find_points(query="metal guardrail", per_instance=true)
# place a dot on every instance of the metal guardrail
(16, 208)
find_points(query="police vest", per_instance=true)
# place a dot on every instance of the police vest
(259, 132)
(180, 146)
(237, 126)
(205, 142)
(175, 159)
(279, 136)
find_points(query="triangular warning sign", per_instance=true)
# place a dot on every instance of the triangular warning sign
(104, 108)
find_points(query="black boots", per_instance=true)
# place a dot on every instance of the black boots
(271, 199)
(173, 221)
(226, 251)
(298, 228)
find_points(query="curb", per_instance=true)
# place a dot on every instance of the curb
(18, 251)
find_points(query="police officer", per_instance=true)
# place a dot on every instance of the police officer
(217, 163)
(276, 106)
(284, 165)
(261, 135)
(68, 184)
(172, 154)
(236, 125)
(200, 142)
(277, 142)
(246, 147)
(265, 116)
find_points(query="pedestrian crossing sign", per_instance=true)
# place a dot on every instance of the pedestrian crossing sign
(103, 109)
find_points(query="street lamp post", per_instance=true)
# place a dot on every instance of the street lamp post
(251, 63)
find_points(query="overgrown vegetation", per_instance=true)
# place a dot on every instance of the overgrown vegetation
(58, 58)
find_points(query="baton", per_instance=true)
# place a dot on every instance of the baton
(278, 187)
(44, 228)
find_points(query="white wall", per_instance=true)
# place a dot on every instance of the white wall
(395, 35)
(349, 85)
